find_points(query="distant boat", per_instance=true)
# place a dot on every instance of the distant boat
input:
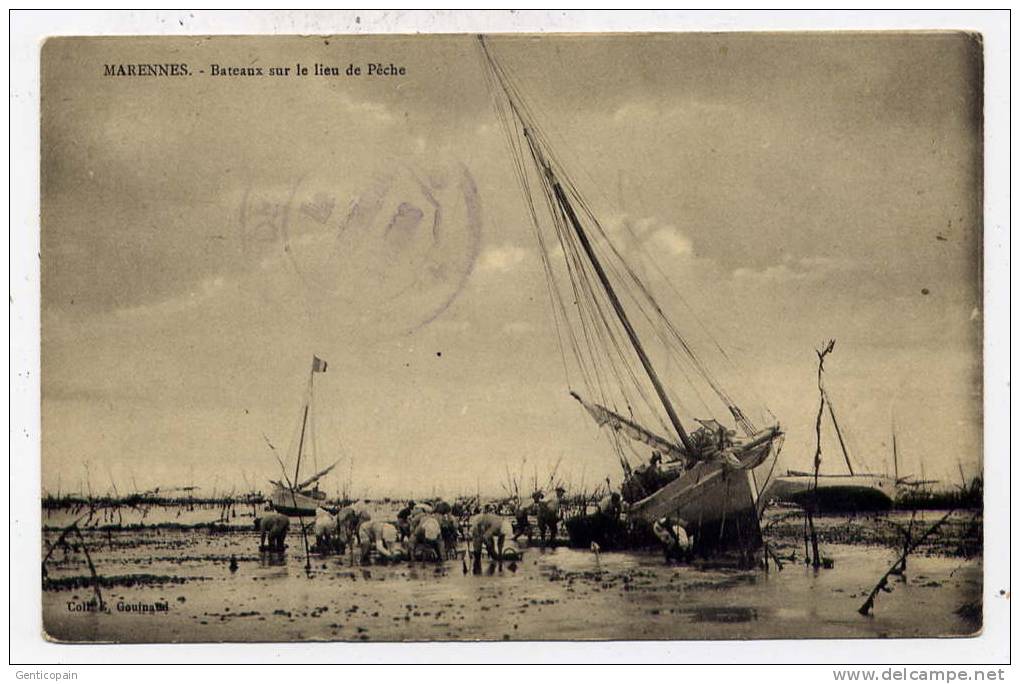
(834, 493)
(300, 503)
(300, 498)
(860, 492)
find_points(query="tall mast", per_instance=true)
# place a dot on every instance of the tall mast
(568, 210)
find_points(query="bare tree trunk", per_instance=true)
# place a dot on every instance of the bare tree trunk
(816, 561)
(882, 585)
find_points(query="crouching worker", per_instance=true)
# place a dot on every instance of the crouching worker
(273, 527)
(676, 544)
(381, 536)
(490, 531)
(326, 537)
(426, 533)
(347, 522)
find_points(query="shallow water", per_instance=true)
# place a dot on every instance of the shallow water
(551, 594)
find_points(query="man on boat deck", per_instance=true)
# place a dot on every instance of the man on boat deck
(649, 475)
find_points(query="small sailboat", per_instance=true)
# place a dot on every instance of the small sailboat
(849, 492)
(296, 497)
(704, 477)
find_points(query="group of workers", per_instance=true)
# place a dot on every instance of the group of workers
(434, 530)
(421, 531)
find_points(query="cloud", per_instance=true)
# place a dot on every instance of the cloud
(670, 240)
(501, 259)
(652, 234)
(792, 270)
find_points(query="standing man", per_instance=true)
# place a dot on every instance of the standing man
(548, 514)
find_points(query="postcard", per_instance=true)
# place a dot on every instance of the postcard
(531, 337)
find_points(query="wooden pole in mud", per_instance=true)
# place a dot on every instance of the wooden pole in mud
(882, 585)
(816, 561)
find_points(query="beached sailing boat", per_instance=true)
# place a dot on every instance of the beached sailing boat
(850, 492)
(704, 477)
(297, 497)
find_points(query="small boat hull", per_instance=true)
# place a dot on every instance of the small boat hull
(294, 504)
(836, 493)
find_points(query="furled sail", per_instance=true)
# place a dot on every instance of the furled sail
(316, 476)
(603, 417)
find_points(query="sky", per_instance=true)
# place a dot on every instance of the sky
(203, 237)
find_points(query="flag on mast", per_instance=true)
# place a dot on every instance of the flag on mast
(318, 365)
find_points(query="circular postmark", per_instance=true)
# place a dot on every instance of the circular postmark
(383, 259)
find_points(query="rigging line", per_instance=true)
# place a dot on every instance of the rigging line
(590, 214)
(777, 446)
(703, 369)
(619, 311)
(693, 314)
(555, 297)
(509, 86)
(560, 220)
(601, 323)
(516, 153)
(550, 284)
(636, 382)
(637, 280)
(651, 321)
(513, 142)
(580, 286)
(590, 308)
(664, 339)
(578, 298)
(651, 300)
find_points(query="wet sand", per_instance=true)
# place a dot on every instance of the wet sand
(554, 594)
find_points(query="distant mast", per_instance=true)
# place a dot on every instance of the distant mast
(318, 366)
(895, 457)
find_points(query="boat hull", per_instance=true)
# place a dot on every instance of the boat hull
(836, 493)
(717, 501)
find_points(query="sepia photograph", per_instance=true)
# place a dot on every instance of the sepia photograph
(512, 337)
